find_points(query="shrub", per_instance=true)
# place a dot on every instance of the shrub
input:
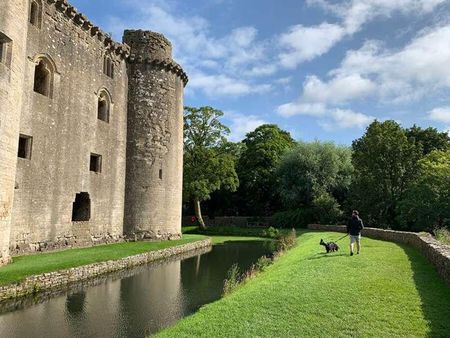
(288, 241)
(297, 218)
(442, 235)
(233, 279)
(271, 233)
(326, 209)
(262, 263)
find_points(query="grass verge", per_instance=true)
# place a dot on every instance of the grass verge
(390, 290)
(24, 266)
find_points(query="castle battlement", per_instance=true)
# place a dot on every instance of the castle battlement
(79, 19)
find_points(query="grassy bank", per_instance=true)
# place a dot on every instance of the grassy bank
(389, 290)
(24, 266)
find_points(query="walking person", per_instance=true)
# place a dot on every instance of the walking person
(354, 227)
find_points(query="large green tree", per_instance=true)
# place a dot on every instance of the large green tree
(385, 163)
(264, 147)
(315, 173)
(426, 203)
(209, 159)
(429, 138)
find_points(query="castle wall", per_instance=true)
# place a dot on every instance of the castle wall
(155, 138)
(13, 32)
(65, 130)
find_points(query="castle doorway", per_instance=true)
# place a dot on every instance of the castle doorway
(81, 208)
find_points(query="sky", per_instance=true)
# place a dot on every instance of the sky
(320, 69)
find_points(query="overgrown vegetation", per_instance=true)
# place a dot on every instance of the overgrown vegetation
(235, 277)
(442, 235)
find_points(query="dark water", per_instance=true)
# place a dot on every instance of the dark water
(134, 303)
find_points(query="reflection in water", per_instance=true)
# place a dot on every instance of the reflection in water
(136, 305)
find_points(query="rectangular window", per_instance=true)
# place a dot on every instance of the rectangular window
(5, 49)
(160, 174)
(25, 143)
(96, 163)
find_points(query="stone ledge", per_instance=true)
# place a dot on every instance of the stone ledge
(437, 253)
(51, 280)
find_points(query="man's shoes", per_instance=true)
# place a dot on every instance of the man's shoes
(357, 253)
(351, 253)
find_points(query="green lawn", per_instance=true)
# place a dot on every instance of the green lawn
(389, 290)
(24, 266)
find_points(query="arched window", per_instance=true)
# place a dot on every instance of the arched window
(36, 13)
(108, 66)
(43, 78)
(104, 106)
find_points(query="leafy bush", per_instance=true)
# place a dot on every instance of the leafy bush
(326, 209)
(294, 218)
(271, 233)
(233, 279)
(442, 235)
(262, 263)
(285, 242)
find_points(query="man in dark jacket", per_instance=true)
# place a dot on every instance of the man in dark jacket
(354, 227)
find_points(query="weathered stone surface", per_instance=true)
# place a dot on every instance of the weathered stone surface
(51, 280)
(86, 66)
(437, 253)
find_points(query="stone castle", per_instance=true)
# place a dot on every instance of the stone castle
(91, 131)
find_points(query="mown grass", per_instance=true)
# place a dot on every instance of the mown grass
(24, 266)
(389, 290)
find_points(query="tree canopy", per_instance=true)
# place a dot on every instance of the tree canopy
(209, 159)
(385, 164)
(257, 165)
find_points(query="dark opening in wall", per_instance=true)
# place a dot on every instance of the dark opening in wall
(108, 67)
(160, 174)
(25, 144)
(81, 208)
(95, 163)
(103, 108)
(36, 13)
(42, 79)
(5, 49)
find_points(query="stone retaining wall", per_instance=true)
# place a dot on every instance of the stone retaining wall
(437, 253)
(52, 280)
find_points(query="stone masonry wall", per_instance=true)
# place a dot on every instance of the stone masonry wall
(437, 253)
(153, 194)
(13, 33)
(65, 130)
(57, 279)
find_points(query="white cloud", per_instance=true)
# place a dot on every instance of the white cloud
(242, 124)
(340, 89)
(440, 114)
(301, 108)
(222, 85)
(345, 118)
(306, 43)
(303, 43)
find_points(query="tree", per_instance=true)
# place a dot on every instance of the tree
(264, 147)
(427, 201)
(430, 139)
(313, 173)
(385, 164)
(209, 163)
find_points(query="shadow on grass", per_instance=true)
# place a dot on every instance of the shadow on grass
(327, 255)
(433, 291)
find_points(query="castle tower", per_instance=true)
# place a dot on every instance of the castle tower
(154, 173)
(13, 33)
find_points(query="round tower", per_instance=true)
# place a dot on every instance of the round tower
(154, 174)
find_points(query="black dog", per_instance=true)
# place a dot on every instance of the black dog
(330, 247)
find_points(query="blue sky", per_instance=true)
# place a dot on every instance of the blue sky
(321, 69)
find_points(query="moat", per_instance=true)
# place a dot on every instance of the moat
(135, 303)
